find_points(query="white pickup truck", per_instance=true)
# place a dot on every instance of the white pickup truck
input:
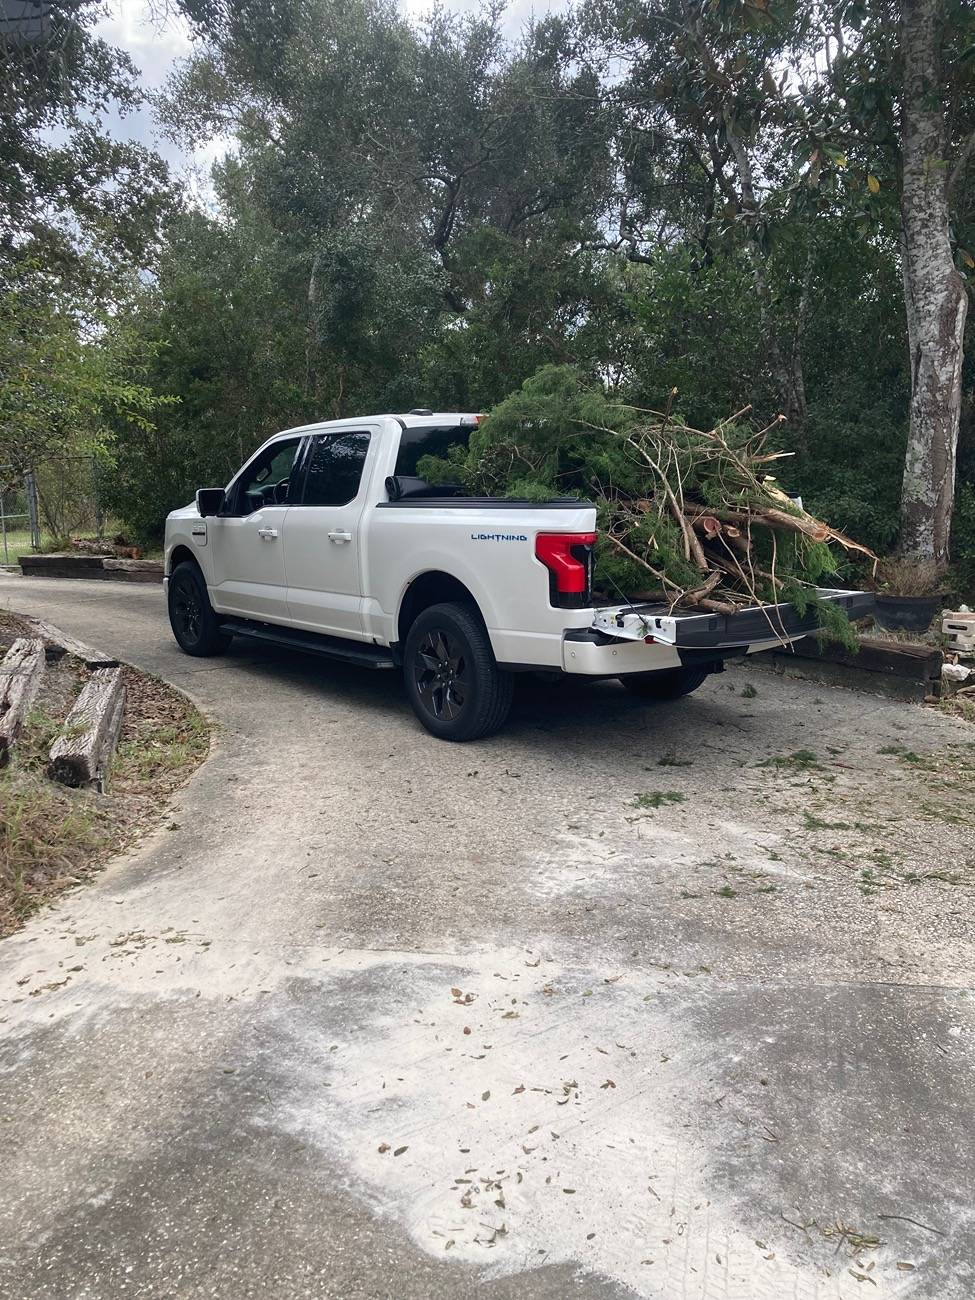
(327, 541)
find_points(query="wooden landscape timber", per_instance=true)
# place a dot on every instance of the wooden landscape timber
(133, 570)
(90, 566)
(21, 671)
(58, 644)
(81, 754)
(899, 670)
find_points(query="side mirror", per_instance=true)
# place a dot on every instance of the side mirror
(209, 501)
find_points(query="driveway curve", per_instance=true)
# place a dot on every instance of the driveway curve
(625, 1002)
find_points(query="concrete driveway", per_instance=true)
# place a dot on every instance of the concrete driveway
(628, 1001)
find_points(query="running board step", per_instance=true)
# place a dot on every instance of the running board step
(332, 647)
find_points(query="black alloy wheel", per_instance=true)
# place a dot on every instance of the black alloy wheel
(191, 616)
(451, 676)
(187, 608)
(440, 670)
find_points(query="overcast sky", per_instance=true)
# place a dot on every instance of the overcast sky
(155, 49)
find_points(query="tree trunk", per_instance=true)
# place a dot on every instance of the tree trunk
(934, 292)
(313, 342)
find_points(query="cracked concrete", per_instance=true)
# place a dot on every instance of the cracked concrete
(718, 1048)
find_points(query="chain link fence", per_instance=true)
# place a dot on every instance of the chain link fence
(18, 515)
(56, 500)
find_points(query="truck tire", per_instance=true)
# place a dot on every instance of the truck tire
(452, 680)
(191, 615)
(668, 684)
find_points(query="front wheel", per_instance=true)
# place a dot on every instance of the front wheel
(191, 615)
(668, 684)
(452, 680)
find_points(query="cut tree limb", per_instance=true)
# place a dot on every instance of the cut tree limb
(767, 515)
(20, 677)
(81, 754)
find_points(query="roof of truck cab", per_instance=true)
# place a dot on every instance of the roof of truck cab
(437, 417)
(434, 419)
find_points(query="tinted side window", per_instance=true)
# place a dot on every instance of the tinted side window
(266, 482)
(414, 443)
(334, 469)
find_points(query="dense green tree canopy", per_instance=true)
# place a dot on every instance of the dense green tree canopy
(662, 194)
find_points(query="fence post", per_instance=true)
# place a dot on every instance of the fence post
(32, 513)
(3, 531)
(96, 492)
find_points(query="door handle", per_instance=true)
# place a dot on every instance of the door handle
(267, 534)
(340, 536)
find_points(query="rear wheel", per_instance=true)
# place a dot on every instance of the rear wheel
(669, 684)
(452, 680)
(191, 615)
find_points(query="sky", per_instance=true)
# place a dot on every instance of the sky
(155, 49)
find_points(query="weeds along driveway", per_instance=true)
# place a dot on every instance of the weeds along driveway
(666, 1001)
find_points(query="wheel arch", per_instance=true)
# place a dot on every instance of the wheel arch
(178, 555)
(433, 587)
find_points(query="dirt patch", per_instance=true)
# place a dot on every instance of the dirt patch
(959, 707)
(52, 838)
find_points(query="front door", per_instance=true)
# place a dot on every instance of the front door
(322, 543)
(248, 537)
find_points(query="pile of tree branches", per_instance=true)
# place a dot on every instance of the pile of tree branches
(689, 517)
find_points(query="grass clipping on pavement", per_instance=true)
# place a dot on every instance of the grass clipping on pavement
(52, 837)
(688, 517)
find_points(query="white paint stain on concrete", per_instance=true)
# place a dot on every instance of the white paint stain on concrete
(551, 1132)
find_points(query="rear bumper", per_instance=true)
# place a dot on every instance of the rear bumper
(771, 624)
(594, 655)
(646, 639)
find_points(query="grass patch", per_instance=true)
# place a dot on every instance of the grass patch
(48, 837)
(656, 798)
(907, 755)
(41, 728)
(811, 822)
(803, 760)
(167, 752)
(725, 892)
(748, 692)
(947, 815)
(958, 706)
(900, 751)
(51, 837)
(671, 760)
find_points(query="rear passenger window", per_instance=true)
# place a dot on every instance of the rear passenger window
(334, 469)
(430, 441)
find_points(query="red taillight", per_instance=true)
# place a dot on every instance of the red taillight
(568, 558)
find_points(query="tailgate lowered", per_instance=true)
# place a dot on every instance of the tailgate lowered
(763, 624)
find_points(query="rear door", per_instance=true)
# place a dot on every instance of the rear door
(323, 541)
(247, 538)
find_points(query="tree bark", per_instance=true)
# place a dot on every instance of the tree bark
(313, 341)
(934, 292)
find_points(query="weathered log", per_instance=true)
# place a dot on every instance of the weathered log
(133, 570)
(58, 644)
(81, 754)
(91, 566)
(62, 566)
(20, 678)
